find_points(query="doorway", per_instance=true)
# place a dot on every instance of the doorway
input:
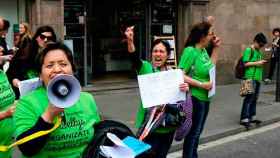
(111, 62)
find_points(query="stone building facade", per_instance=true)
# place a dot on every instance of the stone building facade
(237, 21)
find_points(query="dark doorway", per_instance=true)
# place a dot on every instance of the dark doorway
(110, 57)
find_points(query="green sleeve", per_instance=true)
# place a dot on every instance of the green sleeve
(187, 59)
(247, 55)
(146, 68)
(140, 116)
(24, 117)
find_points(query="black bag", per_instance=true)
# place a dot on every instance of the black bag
(240, 67)
(100, 138)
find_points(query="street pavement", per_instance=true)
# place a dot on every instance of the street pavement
(258, 143)
(120, 102)
(263, 144)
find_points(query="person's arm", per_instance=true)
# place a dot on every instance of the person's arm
(214, 53)
(134, 56)
(255, 63)
(196, 83)
(44, 122)
(248, 55)
(32, 147)
(7, 113)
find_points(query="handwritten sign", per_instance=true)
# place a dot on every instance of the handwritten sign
(161, 88)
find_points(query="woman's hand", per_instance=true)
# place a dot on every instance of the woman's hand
(4, 58)
(8, 113)
(16, 82)
(51, 113)
(217, 41)
(184, 87)
(129, 33)
(207, 85)
(261, 62)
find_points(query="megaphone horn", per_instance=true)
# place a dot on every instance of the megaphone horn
(63, 90)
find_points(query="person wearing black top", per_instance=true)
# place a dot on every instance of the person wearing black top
(274, 54)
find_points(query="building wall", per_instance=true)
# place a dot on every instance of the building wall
(47, 12)
(11, 10)
(236, 23)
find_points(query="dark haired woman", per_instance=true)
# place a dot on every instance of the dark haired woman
(23, 64)
(196, 64)
(35, 113)
(161, 138)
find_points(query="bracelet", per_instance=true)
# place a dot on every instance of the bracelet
(199, 83)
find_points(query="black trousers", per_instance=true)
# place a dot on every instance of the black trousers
(272, 67)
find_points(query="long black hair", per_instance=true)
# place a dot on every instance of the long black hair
(197, 32)
(34, 48)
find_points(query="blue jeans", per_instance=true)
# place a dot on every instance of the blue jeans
(248, 111)
(160, 142)
(191, 141)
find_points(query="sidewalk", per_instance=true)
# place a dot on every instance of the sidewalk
(223, 119)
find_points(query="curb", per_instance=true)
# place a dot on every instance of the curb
(214, 137)
(104, 88)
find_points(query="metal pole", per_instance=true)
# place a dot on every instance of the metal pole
(277, 94)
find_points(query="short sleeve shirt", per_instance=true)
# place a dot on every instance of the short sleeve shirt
(197, 63)
(74, 134)
(253, 72)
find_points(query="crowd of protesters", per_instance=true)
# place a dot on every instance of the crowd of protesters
(40, 55)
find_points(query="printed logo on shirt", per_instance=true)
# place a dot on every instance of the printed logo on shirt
(73, 133)
(7, 95)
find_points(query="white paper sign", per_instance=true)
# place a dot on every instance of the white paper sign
(212, 74)
(26, 86)
(161, 87)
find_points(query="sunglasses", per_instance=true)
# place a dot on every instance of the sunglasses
(43, 37)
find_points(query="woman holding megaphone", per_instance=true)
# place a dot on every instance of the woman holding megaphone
(37, 112)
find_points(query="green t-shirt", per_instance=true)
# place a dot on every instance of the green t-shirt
(197, 63)
(147, 68)
(73, 135)
(7, 98)
(253, 72)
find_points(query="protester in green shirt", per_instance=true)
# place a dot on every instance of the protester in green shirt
(7, 98)
(35, 113)
(253, 59)
(161, 138)
(196, 63)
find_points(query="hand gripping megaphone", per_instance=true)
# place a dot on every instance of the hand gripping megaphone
(63, 90)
